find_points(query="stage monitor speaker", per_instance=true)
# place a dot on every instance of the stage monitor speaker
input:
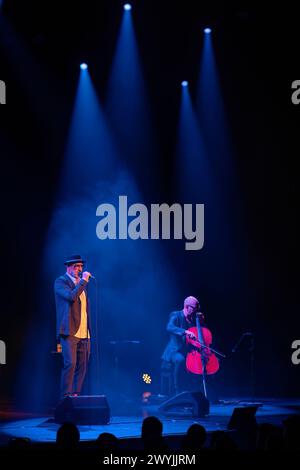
(243, 418)
(85, 409)
(186, 404)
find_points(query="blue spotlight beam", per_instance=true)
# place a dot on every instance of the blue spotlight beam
(94, 173)
(193, 173)
(89, 145)
(128, 105)
(216, 134)
(210, 109)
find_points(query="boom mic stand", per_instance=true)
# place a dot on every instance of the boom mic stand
(251, 351)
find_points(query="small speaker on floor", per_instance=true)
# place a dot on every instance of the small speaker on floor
(85, 409)
(186, 404)
(243, 418)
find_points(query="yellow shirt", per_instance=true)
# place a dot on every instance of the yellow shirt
(82, 331)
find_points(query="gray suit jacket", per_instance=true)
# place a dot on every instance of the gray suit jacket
(68, 305)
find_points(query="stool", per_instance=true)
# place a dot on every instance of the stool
(166, 384)
(166, 378)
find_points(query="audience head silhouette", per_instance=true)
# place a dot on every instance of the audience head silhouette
(195, 437)
(291, 432)
(221, 440)
(68, 436)
(107, 441)
(152, 433)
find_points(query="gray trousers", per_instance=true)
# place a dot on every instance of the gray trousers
(75, 353)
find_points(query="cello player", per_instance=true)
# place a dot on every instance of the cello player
(176, 350)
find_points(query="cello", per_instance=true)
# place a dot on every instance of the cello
(201, 358)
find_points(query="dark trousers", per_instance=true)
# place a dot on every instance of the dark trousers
(181, 379)
(179, 371)
(75, 353)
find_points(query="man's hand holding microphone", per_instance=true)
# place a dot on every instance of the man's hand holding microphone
(86, 276)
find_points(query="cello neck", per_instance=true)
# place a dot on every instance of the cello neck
(200, 335)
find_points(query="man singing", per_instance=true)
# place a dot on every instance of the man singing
(73, 324)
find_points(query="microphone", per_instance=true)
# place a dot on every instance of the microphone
(91, 276)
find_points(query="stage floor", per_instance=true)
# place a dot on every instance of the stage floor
(43, 428)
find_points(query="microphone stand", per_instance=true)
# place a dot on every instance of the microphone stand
(116, 365)
(251, 351)
(237, 345)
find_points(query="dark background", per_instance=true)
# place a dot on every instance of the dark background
(257, 57)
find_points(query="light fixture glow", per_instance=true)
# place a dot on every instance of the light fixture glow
(184, 83)
(147, 378)
(127, 6)
(83, 66)
(207, 30)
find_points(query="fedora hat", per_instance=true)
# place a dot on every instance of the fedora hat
(74, 259)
